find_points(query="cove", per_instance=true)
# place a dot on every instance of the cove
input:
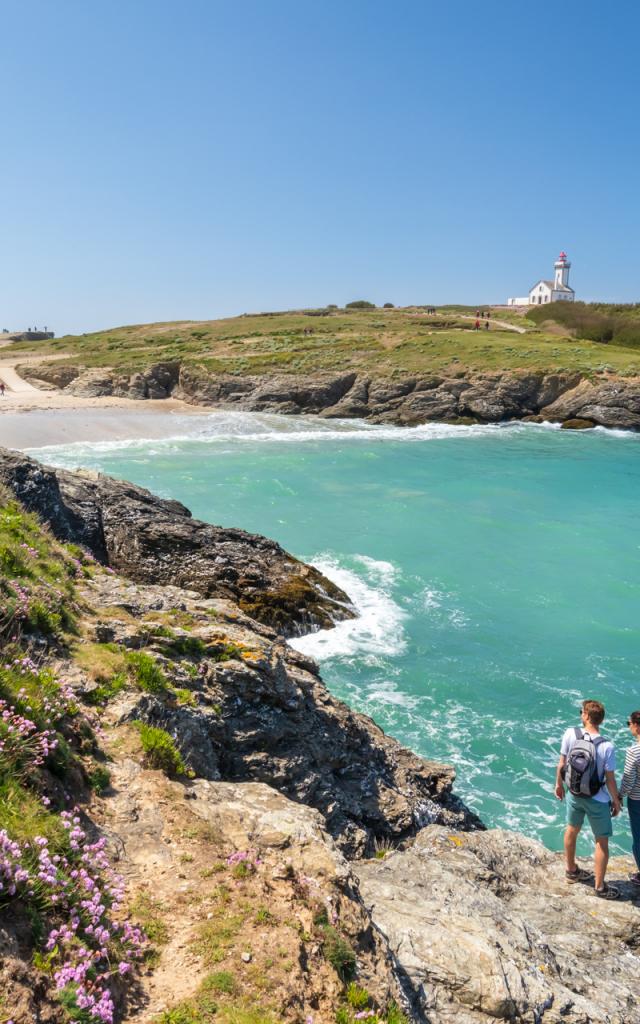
(496, 570)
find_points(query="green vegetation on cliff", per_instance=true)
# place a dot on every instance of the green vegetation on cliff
(617, 325)
(385, 342)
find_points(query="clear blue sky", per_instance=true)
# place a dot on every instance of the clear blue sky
(167, 159)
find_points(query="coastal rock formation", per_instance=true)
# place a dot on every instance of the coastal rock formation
(167, 836)
(260, 711)
(149, 539)
(240, 868)
(483, 927)
(614, 404)
(405, 400)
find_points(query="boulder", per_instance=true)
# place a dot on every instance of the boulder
(577, 424)
(484, 928)
(92, 384)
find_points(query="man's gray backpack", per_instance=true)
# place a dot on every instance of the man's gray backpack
(581, 774)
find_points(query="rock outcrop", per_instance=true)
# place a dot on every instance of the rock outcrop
(149, 539)
(260, 711)
(482, 398)
(403, 400)
(483, 927)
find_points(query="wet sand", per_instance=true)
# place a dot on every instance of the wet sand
(103, 420)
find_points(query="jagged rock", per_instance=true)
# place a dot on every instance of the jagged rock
(57, 375)
(484, 928)
(150, 539)
(612, 404)
(487, 398)
(264, 714)
(91, 384)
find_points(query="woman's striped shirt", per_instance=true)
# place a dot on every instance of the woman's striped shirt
(630, 785)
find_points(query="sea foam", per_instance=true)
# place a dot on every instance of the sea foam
(378, 630)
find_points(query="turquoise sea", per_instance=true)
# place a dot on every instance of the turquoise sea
(496, 571)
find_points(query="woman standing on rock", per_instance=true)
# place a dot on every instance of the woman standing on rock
(630, 787)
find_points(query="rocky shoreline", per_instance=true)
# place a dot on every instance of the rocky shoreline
(406, 400)
(353, 835)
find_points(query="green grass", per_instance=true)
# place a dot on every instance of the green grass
(217, 935)
(24, 817)
(338, 953)
(160, 750)
(146, 672)
(391, 342)
(37, 577)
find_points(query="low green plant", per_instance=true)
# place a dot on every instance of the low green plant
(357, 997)
(104, 692)
(160, 750)
(394, 1015)
(220, 981)
(264, 916)
(146, 672)
(338, 953)
(99, 778)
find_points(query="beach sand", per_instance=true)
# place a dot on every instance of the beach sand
(101, 419)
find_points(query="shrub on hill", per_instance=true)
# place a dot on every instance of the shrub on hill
(618, 324)
(360, 304)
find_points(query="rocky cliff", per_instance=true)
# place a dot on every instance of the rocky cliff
(566, 398)
(288, 861)
(146, 538)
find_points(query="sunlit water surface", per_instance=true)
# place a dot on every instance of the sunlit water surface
(496, 571)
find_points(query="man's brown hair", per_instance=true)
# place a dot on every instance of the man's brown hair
(594, 711)
(635, 717)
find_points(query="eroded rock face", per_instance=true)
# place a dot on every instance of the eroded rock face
(410, 400)
(260, 711)
(613, 404)
(148, 538)
(484, 927)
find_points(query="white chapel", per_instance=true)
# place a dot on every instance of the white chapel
(557, 290)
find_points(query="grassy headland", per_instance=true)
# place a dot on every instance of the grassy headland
(382, 342)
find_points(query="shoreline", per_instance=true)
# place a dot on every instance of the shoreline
(90, 420)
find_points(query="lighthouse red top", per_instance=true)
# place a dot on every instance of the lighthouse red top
(562, 255)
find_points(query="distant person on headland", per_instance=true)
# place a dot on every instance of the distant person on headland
(477, 326)
(1, 389)
(587, 767)
(630, 787)
(486, 324)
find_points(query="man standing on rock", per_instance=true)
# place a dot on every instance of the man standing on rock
(587, 767)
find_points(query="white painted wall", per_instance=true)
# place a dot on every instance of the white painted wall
(540, 293)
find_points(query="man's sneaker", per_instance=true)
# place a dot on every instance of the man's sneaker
(635, 878)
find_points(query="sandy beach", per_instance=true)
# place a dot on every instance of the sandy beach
(34, 418)
(64, 419)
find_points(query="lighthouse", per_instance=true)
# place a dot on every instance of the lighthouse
(557, 290)
(562, 267)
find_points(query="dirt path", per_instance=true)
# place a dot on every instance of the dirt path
(496, 323)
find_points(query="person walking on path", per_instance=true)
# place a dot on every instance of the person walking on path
(1, 389)
(587, 767)
(630, 787)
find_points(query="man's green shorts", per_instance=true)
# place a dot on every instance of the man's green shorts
(597, 811)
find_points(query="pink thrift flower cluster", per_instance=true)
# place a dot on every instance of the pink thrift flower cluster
(89, 945)
(23, 747)
(248, 857)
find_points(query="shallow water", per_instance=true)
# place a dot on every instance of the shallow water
(496, 569)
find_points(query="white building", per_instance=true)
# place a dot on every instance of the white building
(557, 290)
